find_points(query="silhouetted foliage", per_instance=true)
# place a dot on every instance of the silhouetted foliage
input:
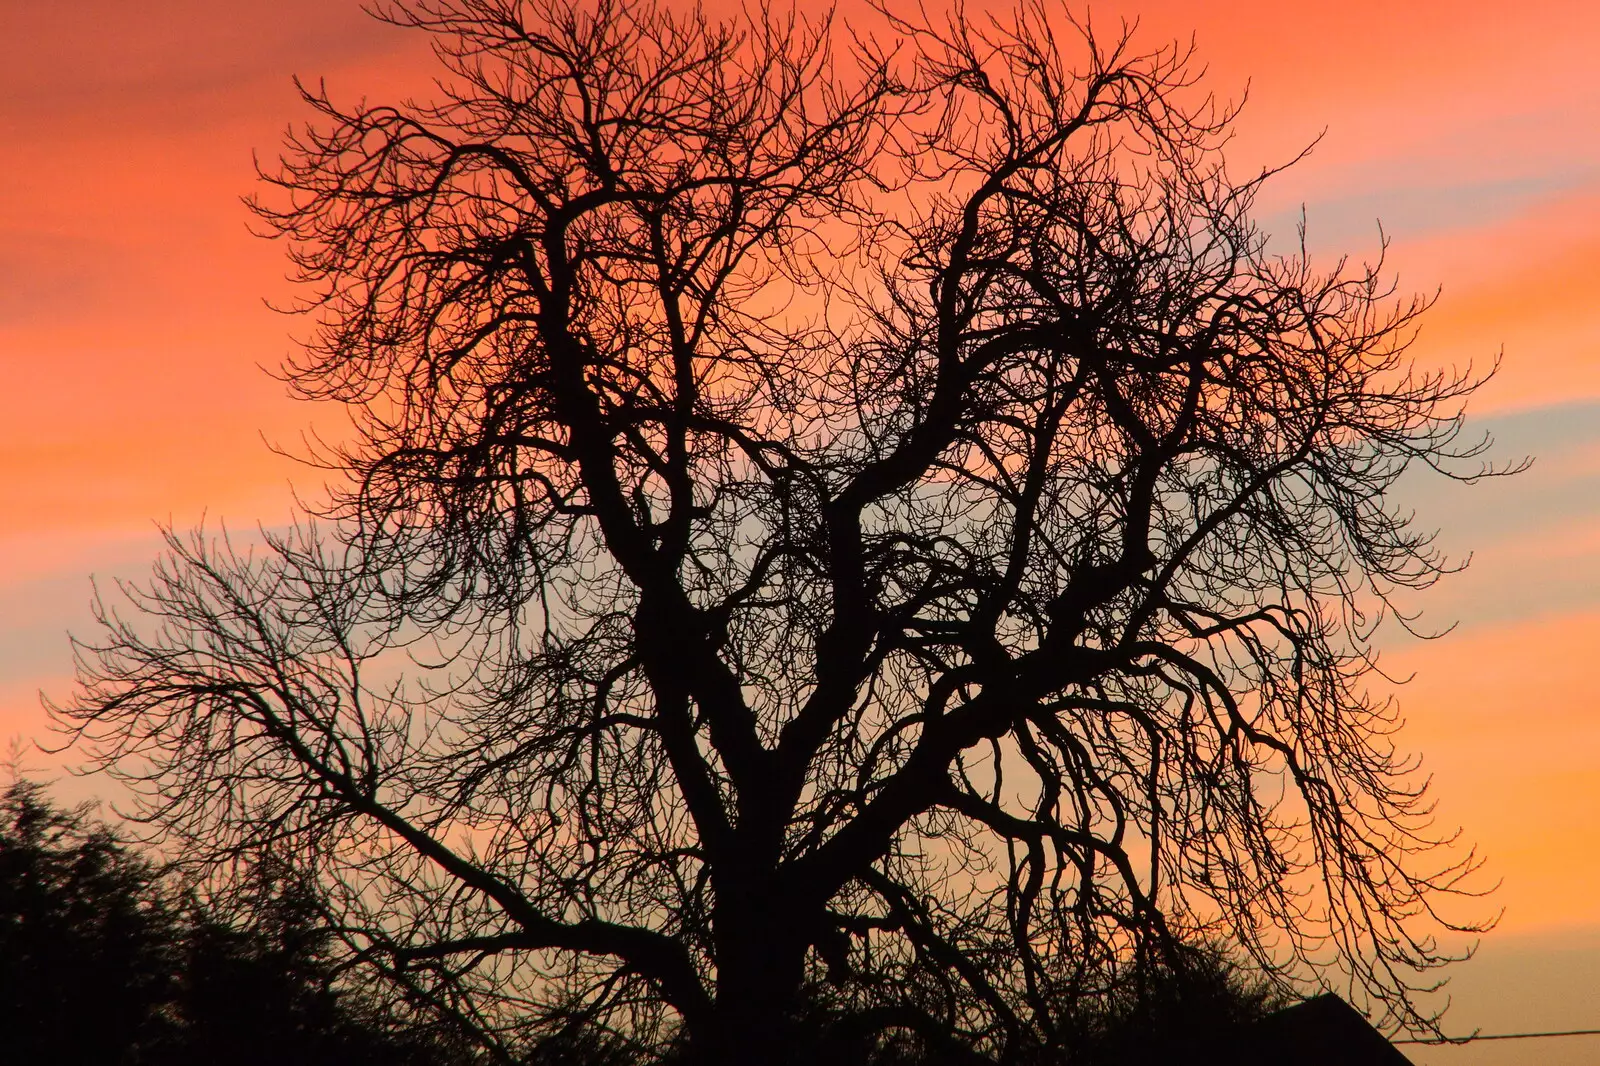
(89, 939)
(262, 989)
(105, 961)
(1189, 1007)
(838, 542)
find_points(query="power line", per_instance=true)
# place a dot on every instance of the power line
(1495, 1036)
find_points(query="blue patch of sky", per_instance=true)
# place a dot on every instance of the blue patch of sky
(1464, 170)
(1513, 526)
(1415, 210)
(1559, 486)
(39, 610)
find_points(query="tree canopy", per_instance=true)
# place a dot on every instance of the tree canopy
(106, 959)
(860, 528)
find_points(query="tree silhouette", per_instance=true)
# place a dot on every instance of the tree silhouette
(1194, 1006)
(261, 986)
(87, 945)
(863, 525)
(104, 960)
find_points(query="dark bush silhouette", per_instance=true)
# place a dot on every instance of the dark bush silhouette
(1194, 1006)
(90, 941)
(103, 961)
(262, 990)
(839, 541)
(1190, 1008)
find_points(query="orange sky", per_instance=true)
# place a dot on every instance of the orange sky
(132, 329)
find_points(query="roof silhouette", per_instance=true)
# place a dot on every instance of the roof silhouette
(1322, 1031)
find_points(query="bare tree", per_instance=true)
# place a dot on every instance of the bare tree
(863, 525)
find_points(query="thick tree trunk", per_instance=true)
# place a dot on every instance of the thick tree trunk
(751, 1031)
(760, 969)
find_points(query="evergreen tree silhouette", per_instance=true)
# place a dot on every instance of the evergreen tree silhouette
(105, 962)
(89, 941)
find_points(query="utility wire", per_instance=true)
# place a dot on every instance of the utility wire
(1495, 1036)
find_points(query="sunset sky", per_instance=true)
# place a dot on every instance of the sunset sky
(133, 332)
